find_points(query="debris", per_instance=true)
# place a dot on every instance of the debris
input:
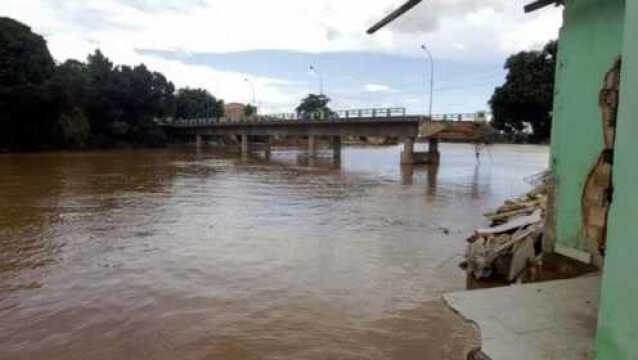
(513, 243)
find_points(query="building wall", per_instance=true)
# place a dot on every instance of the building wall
(591, 38)
(234, 111)
(617, 337)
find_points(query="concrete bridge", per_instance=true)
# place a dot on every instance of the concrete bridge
(386, 122)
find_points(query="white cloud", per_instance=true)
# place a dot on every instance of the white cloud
(378, 88)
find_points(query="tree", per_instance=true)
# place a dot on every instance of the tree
(123, 101)
(70, 84)
(75, 104)
(197, 103)
(526, 99)
(314, 106)
(102, 86)
(26, 113)
(250, 110)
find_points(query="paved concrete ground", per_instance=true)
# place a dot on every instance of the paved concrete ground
(551, 320)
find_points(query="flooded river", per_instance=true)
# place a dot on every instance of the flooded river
(175, 253)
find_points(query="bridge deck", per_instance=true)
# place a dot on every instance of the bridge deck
(385, 122)
(378, 126)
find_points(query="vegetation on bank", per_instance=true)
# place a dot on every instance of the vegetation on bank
(44, 105)
(522, 107)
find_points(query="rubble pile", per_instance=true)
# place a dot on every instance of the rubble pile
(513, 243)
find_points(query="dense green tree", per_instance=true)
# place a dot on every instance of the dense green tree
(197, 103)
(16, 41)
(250, 110)
(78, 104)
(123, 101)
(70, 84)
(74, 129)
(102, 87)
(525, 100)
(27, 114)
(314, 106)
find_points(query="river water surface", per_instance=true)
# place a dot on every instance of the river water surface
(178, 253)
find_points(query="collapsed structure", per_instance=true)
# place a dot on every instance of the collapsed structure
(513, 243)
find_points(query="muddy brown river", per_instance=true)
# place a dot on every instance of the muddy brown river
(180, 254)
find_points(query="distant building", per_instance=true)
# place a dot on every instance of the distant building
(234, 111)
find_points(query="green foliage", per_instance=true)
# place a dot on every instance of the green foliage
(78, 104)
(26, 111)
(526, 98)
(314, 106)
(16, 41)
(197, 103)
(124, 94)
(250, 110)
(75, 129)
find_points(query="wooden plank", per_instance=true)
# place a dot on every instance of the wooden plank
(513, 224)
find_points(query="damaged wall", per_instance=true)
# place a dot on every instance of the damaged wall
(591, 38)
(618, 320)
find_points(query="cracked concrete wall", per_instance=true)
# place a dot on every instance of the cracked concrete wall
(618, 324)
(590, 40)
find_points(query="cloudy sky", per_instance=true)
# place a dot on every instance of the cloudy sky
(217, 44)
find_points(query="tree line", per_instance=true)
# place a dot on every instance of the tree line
(75, 104)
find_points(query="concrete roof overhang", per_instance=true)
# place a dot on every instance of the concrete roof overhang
(538, 4)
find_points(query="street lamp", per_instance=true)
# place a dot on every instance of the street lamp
(252, 89)
(314, 71)
(427, 51)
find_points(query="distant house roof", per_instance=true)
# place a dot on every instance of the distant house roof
(538, 4)
(234, 105)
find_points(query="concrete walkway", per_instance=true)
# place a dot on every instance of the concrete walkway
(551, 320)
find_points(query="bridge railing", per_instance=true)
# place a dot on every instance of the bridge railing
(352, 114)
(477, 116)
(343, 114)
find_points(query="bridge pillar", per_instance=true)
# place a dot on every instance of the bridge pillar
(312, 146)
(407, 156)
(267, 147)
(198, 141)
(336, 147)
(433, 154)
(245, 145)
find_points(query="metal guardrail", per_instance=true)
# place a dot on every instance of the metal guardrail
(345, 114)
(335, 116)
(374, 113)
(477, 116)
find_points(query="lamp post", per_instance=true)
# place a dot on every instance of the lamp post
(314, 71)
(252, 89)
(427, 51)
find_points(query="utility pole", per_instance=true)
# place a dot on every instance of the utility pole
(427, 51)
(314, 71)
(252, 89)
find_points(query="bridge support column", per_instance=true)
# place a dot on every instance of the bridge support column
(198, 141)
(245, 145)
(433, 155)
(407, 156)
(312, 146)
(267, 147)
(336, 147)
